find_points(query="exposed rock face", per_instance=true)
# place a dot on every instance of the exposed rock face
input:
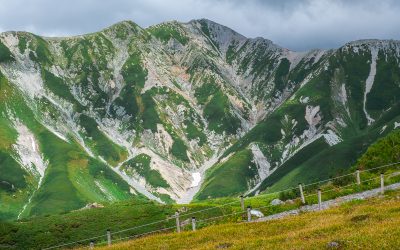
(130, 111)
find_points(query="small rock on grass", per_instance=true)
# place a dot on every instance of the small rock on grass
(333, 244)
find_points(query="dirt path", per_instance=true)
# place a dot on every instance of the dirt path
(330, 203)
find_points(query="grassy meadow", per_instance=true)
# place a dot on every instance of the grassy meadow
(362, 224)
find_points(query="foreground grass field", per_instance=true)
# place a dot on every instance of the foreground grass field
(363, 224)
(136, 217)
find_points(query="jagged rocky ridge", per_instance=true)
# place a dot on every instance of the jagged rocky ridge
(179, 111)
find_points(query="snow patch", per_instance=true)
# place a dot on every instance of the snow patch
(191, 192)
(196, 179)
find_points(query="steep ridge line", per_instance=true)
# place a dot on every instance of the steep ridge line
(194, 75)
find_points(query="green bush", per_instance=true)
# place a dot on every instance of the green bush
(179, 150)
(150, 116)
(5, 54)
(217, 112)
(102, 145)
(165, 32)
(289, 195)
(385, 91)
(281, 74)
(195, 133)
(141, 164)
(385, 151)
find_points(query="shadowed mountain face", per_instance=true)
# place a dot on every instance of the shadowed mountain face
(181, 111)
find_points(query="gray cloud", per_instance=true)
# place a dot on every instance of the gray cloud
(295, 24)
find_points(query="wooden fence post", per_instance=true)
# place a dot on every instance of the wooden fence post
(248, 213)
(319, 199)
(178, 224)
(382, 183)
(194, 223)
(303, 200)
(358, 177)
(109, 237)
(242, 202)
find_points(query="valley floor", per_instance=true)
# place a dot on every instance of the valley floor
(359, 224)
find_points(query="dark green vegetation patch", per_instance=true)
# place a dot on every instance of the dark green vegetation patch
(166, 32)
(179, 150)
(5, 54)
(141, 165)
(236, 172)
(218, 113)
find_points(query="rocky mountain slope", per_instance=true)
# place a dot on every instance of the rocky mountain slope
(181, 111)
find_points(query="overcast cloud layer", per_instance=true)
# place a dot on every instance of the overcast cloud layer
(294, 24)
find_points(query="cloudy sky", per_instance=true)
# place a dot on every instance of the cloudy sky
(295, 24)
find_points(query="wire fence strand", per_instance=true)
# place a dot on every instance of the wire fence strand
(143, 234)
(210, 208)
(221, 206)
(383, 166)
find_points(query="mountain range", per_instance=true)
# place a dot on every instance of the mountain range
(179, 112)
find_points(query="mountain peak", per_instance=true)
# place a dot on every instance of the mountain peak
(123, 27)
(215, 27)
(221, 35)
(125, 23)
(168, 111)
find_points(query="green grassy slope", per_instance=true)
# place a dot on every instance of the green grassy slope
(237, 171)
(368, 224)
(16, 183)
(52, 230)
(344, 73)
(72, 178)
(174, 90)
(49, 230)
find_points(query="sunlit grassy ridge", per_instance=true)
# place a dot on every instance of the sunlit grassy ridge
(367, 224)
